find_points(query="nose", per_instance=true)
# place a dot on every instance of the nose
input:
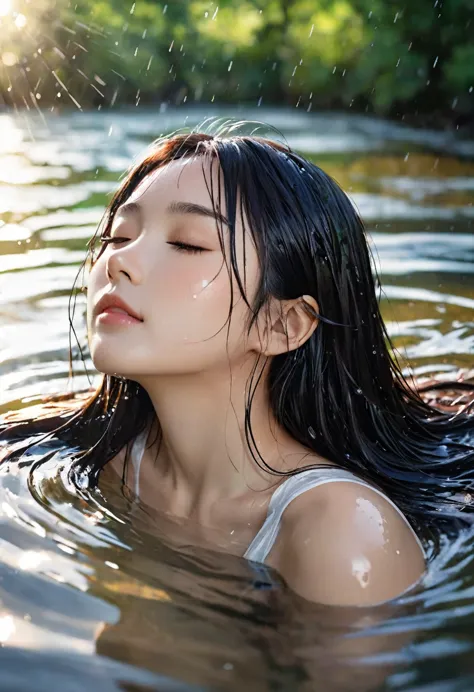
(120, 262)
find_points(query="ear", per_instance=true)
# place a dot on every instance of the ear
(290, 324)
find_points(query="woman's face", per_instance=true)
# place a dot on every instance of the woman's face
(182, 296)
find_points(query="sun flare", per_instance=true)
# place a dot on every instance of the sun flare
(5, 7)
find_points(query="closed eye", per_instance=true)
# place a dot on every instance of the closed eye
(184, 247)
(112, 239)
(181, 247)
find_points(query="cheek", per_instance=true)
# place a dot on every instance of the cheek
(191, 309)
(194, 290)
(96, 280)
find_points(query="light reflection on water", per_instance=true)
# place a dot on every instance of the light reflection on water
(87, 595)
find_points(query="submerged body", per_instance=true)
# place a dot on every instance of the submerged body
(335, 539)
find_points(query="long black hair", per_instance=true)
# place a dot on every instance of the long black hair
(342, 393)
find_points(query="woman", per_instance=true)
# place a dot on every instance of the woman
(248, 386)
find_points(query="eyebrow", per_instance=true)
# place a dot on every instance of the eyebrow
(192, 208)
(176, 208)
(129, 207)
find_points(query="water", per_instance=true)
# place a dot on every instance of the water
(89, 597)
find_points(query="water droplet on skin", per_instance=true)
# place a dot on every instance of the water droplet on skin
(361, 570)
(195, 295)
(371, 512)
(204, 283)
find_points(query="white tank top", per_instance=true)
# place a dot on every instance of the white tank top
(290, 489)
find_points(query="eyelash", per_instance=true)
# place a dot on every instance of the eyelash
(181, 247)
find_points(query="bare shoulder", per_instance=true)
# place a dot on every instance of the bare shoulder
(344, 543)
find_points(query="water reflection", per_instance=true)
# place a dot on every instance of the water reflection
(88, 592)
(89, 575)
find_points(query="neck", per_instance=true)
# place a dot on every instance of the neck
(203, 452)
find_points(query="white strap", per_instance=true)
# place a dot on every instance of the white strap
(136, 454)
(290, 489)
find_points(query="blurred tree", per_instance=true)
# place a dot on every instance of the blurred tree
(368, 55)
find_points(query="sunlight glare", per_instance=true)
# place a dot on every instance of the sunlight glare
(9, 59)
(31, 559)
(10, 135)
(20, 21)
(7, 628)
(5, 7)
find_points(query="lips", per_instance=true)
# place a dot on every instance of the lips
(113, 303)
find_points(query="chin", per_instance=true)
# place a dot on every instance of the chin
(110, 366)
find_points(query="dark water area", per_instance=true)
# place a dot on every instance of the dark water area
(94, 595)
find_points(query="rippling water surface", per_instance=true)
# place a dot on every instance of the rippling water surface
(89, 599)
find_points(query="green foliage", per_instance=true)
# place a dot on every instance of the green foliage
(367, 54)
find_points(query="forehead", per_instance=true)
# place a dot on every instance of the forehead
(185, 179)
